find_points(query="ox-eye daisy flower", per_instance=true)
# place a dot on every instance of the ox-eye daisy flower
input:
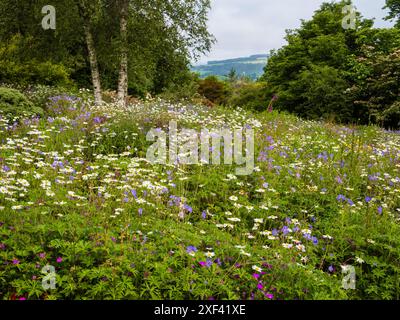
(209, 254)
(256, 269)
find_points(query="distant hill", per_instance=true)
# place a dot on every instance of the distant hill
(252, 67)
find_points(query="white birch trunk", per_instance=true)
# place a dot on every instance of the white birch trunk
(94, 67)
(123, 71)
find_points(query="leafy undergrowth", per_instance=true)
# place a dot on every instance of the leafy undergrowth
(77, 193)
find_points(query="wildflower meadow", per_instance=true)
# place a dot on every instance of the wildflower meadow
(176, 152)
(85, 215)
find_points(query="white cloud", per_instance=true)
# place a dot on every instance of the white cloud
(246, 27)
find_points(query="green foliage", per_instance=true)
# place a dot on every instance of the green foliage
(306, 73)
(321, 92)
(18, 68)
(41, 95)
(378, 92)
(184, 90)
(33, 72)
(14, 104)
(250, 96)
(325, 71)
(159, 51)
(117, 227)
(214, 90)
(77, 192)
(394, 10)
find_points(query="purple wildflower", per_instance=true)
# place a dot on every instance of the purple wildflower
(341, 197)
(190, 249)
(307, 236)
(188, 208)
(285, 230)
(269, 296)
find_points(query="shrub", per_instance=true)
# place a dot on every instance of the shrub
(251, 96)
(321, 91)
(46, 97)
(391, 116)
(214, 90)
(182, 91)
(32, 72)
(378, 93)
(14, 103)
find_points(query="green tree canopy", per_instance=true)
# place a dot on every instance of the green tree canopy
(314, 73)
(162, 37)
(394, 10)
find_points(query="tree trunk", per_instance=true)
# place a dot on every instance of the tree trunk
(94, 67)
(123, 70)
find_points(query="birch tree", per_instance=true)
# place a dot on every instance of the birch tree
(184, 27)
(85, 12)
(123, 71)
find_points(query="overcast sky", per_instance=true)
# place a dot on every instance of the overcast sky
(246, 27)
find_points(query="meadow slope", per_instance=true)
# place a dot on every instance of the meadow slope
(77, 193)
